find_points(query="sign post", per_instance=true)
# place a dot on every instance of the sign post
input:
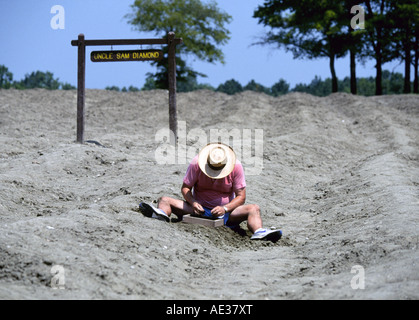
(81, 84)
(125, 55)
(172, 86)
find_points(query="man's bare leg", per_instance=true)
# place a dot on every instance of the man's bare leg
(178, 207)
(249, 212)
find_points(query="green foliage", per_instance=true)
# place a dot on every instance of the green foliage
(40, 79)
(67, 86)
(280, 88)
(112, 88)
(253, 86)
(308, 28)
(124, 89)
(200, 25)
(230, 87)
(317, 87)
(37, 79)
(312, 29)
(150, 84)
(6, 77)
(191, 84)
(392, 84)
(133, 89)
(403, 19)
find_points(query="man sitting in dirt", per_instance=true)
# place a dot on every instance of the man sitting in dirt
(214, 187)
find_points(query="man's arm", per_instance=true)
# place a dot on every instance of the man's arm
(238, 201)
(187, 195)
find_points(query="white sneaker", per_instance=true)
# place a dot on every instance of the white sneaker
(152, 212)
(265, 234)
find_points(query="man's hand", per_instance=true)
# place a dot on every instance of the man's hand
(218, 211)
(197, 208)
(187, 195)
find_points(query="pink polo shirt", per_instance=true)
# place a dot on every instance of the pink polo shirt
(209, 192)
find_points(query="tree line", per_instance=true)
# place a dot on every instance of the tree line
(36, 79)
(387, 30)
(393, 83)
(384, 31)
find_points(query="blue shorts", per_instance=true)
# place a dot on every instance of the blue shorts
(207, 214)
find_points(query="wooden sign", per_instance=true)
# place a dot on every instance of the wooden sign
(135, 55)
(126, 55)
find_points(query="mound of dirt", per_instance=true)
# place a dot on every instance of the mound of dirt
(339, 175)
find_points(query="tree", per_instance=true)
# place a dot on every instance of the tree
(254, 86)
(280, 88)
(393, 83)
(191, 85)
(6, 77)
(133, 89)
(67, 86)
(354, 39)
(113, 88)
(40, 79)
(230, 87)
(404, 18)
(317, 87)
(200, 25)
(379, 33)
(308, 28)
(150, 84)
(366, 86)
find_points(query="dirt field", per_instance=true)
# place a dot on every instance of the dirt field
(340, 178)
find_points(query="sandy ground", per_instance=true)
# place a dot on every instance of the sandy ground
(340, 178)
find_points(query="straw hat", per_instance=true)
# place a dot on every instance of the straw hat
(217, 160)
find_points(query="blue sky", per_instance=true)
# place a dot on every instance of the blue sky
(28, 43)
